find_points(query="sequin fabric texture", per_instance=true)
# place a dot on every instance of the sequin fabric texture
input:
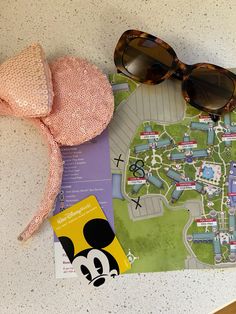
(53, 182)
(83, 101)
(26, 83)
(81, 109)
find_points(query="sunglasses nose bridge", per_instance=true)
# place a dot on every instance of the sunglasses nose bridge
(180, 70)
(182, 67)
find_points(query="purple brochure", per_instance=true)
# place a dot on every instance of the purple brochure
(86, 172)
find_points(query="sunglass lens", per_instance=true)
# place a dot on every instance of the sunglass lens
(209, 88)
(147, 60)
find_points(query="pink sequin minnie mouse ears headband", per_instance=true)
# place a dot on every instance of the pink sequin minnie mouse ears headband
(70, 102)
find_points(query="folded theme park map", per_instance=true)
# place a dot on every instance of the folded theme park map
(173, 178)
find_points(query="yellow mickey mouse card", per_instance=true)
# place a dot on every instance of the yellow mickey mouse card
(90, 242)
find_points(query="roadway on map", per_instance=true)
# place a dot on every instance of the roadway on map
(147, 104)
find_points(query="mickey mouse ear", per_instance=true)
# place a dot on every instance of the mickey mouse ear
(83, 102)
(98, 233)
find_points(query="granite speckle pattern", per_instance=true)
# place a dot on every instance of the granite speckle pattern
(199, 31)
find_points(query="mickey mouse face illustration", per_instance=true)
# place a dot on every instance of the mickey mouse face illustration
(95, 264)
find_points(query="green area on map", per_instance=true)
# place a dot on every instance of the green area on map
(190, 166)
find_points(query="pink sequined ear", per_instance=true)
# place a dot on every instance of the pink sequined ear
(26, 83)
(83, 102)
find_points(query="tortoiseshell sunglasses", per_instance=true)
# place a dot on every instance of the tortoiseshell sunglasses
(148, 59)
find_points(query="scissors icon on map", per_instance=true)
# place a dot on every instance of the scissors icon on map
(137, 168)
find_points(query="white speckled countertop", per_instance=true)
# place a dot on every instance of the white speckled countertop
(199, 31)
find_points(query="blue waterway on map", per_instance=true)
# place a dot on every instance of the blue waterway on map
(116, 186)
